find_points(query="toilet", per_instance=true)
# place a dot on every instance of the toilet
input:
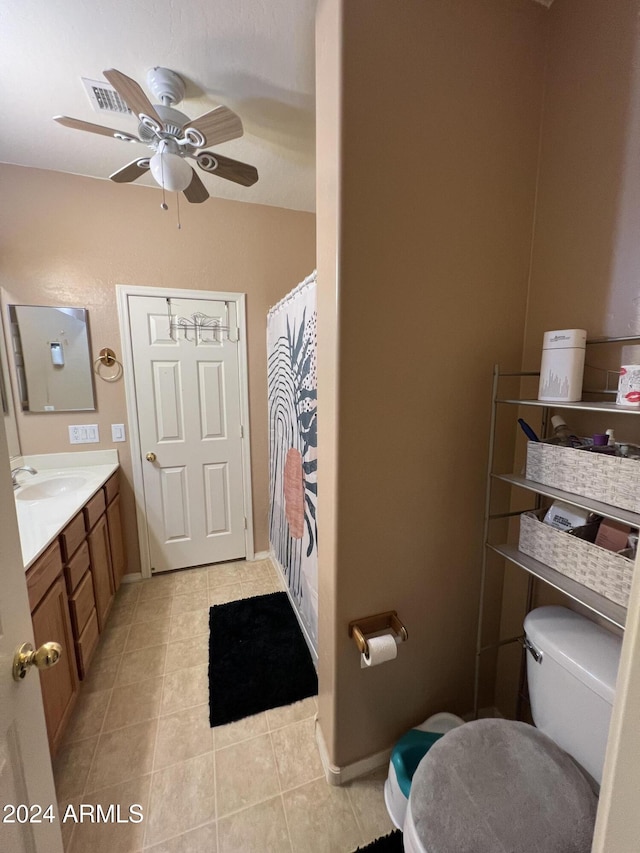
(494, 784)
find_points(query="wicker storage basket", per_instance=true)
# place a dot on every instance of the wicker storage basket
(603, 571)
(610, 479)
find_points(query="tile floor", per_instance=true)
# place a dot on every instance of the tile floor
(140, 734)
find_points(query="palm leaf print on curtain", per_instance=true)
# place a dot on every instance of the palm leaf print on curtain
(293, 445)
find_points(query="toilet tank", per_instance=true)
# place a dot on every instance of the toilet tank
(572, 684)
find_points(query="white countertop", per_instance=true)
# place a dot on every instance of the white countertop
(40, 521)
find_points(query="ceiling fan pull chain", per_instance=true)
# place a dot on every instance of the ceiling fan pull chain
(164, 205)
(178, 210)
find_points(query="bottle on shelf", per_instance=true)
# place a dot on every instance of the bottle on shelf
(562, 435)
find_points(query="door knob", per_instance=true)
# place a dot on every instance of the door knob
(25, 657)
(151, 457)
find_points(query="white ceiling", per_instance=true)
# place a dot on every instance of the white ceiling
(254, 56)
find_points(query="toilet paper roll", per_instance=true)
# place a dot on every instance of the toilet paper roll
(381, 649)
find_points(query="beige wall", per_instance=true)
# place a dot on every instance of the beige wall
(328, 228)
(68, 240)
(426, 264)
(586, 252)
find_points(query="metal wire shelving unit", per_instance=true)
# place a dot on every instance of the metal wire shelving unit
(537, 571)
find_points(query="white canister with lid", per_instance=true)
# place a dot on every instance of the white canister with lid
(562, 365)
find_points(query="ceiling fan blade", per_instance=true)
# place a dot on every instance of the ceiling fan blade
(78, 124)
(225, 167)
(216, 126)
(196, 192)
(132, 94)
(131, 171)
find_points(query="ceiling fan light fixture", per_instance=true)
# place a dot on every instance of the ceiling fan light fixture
(171, 171)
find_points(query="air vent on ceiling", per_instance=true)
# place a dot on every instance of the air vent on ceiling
(104, 97)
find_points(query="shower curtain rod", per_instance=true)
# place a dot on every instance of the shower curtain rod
(310, 279)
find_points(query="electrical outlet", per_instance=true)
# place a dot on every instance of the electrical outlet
(117, 432)
(84, 434)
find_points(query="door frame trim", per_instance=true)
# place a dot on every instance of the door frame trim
(123, 292)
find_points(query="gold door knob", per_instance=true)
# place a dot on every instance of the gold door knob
(151, 457)
(25, 657)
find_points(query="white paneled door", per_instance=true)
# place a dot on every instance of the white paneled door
(29, 820)
(188, 398)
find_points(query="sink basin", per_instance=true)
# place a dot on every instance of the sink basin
(54, 488)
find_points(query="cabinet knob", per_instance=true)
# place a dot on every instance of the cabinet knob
(25, 657)
(151, 457)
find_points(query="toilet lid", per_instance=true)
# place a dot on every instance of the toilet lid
(497, 786)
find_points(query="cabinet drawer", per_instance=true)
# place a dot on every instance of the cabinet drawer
(72, 536)
(86, 644)
(94, 509)
(43, 573)
(112, 486)
(81, 603)
(77, 566)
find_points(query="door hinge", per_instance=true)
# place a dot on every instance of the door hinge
(241, 431)
(245, 522)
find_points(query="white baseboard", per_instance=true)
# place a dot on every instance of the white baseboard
(262, 555)
(341, 775)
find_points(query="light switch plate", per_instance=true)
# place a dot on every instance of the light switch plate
(84, 434)
(118, 433)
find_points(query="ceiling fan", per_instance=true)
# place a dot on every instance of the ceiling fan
(173, 136)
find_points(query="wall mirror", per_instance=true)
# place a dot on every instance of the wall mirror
(52, 358)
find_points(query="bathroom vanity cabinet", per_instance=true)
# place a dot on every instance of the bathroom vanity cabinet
(71, 589)
(497, 510)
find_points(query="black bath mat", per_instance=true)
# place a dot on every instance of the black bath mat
(258, 658)
(391, 843)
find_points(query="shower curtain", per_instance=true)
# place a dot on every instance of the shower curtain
(293, 444)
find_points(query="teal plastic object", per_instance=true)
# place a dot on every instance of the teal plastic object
(408, 753)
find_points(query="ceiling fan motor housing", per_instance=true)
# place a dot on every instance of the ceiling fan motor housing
(173, 121)
(167, 86)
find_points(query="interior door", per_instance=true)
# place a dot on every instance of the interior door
(188, 410)
(25, 767)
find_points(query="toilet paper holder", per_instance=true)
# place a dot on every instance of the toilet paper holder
(359, 628)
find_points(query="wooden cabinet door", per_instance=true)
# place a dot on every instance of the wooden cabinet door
(103, 588)
(51, 622)
(114, 524)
